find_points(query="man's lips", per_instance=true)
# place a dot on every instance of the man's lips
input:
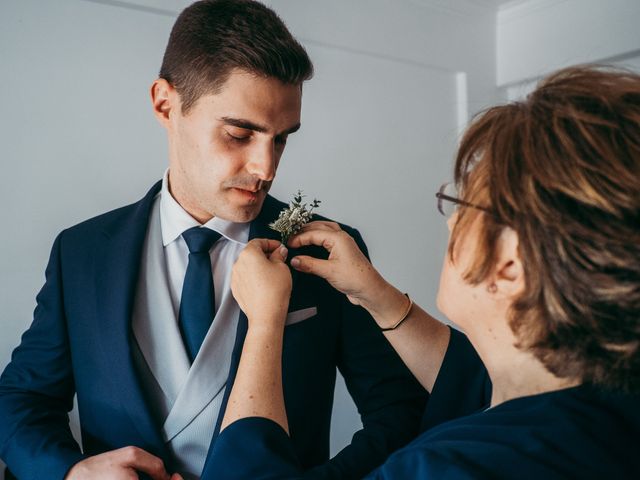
(248, 191)
(250, 195)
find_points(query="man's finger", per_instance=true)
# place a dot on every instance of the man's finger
(315, 266)
(143, 461)
(321, 238)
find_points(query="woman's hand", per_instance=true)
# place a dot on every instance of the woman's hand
(421, 340)
(347, 269)
(261, 282)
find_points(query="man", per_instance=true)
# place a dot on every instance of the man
(136, 314)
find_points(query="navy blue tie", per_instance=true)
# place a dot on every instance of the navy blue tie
(197, 304)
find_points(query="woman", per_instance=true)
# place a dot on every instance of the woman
(543, 276)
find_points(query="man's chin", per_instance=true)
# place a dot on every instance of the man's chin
(246, 215)
(241, 206)
(242, 213)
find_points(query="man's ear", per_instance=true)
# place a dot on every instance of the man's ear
(165, 101)
(509, 272)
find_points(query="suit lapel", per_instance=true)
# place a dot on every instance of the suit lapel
(117, 266)
(259, 229)
(260, 226)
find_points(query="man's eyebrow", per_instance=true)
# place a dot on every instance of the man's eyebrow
(248, 125)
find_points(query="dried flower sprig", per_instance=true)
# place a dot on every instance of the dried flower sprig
(294, 217)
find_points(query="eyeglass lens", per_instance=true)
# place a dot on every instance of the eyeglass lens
(447, 196)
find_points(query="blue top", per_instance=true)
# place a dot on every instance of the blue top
(580, 432)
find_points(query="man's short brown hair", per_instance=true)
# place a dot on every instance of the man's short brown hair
(213, 37)
(562, 169)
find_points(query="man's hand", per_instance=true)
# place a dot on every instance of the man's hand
(121, 464)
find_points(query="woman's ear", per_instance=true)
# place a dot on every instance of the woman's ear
(508, 276)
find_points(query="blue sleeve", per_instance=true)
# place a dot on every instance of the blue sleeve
(254, 448)
(259, 448)
(423, 464)
(36, 390)
(462, 387)
(388, 397)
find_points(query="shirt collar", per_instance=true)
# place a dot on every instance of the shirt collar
(174, 220)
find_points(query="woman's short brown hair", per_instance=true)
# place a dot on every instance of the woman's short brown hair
(562, 168)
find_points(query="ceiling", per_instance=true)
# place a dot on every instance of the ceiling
(466, 6)
(461, 7)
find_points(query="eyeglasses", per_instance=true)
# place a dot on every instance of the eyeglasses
(448, 201)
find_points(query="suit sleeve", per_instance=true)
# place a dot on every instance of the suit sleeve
(37, 388)
(388, 397)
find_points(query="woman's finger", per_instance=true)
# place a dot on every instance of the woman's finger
(315, 266)
(279, 254)
(265, 244)
(321, 238)
(321, 225)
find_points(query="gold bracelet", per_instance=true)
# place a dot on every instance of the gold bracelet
(404, 317)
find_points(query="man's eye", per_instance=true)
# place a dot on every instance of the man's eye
(236, 137)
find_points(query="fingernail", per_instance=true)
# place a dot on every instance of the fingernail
(295, 262)
(284, 251)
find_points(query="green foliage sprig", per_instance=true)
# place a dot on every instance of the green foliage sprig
(294, 217)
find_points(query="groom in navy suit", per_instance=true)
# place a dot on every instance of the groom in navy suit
(136, 316)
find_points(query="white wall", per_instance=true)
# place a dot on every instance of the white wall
(518, 91)
(76, 131)
(535, 37)
(380, 123)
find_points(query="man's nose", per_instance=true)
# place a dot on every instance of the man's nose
(263, 162)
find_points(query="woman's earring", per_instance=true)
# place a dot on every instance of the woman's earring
(492, 288)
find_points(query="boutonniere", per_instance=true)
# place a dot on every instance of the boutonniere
(294, 217)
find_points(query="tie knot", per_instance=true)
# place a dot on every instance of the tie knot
(200, 240)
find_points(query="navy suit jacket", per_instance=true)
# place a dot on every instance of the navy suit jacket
(80, 342)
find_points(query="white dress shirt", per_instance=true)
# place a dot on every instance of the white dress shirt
(186, 397)
(174, 220)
